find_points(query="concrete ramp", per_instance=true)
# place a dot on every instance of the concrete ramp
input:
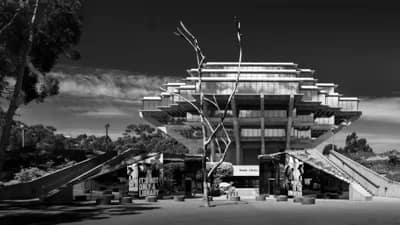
(43, 185)
(63, 179)
(358, 193)
(315, 159)
(119, 161)
(375, 183)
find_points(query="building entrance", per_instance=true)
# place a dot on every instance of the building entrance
(270, 179)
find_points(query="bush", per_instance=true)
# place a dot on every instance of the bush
(28, 174)
(394, 159)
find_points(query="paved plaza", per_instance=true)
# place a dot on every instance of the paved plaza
(327, 212)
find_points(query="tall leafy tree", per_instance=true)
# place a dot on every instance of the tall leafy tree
(33, 36)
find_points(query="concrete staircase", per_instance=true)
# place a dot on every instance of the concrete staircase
(314, 158)
(63, 179)
(40, 187)
(375, 183)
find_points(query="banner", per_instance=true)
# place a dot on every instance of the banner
(133, 178)
(246, 170)
(145, 177)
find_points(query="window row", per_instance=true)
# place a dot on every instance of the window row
(150, 105)
(305, 118)
(310, 95)
(301, 133)
(254, 68)
(251, 87)
(267, 132)
(267, 113)
(325, 120)
(349, 105)
(332, 101)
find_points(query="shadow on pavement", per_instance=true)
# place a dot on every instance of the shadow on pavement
(49, 215)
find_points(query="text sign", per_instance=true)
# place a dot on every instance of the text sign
(246, 170)
(148, 187)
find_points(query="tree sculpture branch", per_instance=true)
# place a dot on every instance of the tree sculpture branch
(209, 131)
(222, 118)
(10, 22)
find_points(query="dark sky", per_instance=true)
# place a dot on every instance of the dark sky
(353, 43)
(128, 50)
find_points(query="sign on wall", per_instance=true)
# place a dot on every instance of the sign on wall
(248, 170)
(133, 177)
(145, 177)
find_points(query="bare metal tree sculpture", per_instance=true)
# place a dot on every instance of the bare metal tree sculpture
(216, 133)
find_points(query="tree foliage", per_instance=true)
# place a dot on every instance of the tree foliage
(33, 35)
(145, 138)
(45, 149)
(56, 30)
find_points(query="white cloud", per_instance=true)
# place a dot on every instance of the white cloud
(116, 84)
(385, 109)
(104, 112)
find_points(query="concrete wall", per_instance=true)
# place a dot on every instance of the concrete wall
(358, 193)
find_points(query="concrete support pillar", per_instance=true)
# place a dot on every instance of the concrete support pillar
(289, 121)
(236, 132)
(262, 124)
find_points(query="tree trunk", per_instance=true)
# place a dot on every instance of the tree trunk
(205, 186)
(8, 121)
(16, 97)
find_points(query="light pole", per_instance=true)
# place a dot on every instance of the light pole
(107, 126)
(22, 134)
(345, 124)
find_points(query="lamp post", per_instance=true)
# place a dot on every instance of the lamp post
(22, 134)
(345, 124)
(107, 126)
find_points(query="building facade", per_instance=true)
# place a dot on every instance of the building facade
(278, 112)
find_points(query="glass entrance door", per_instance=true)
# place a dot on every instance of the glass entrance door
(269, 176)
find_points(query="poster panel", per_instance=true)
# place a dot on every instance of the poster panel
(145, 177)
(133, 178)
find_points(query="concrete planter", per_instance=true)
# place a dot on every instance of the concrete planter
(210, 198)
(111, 196)
(297, 199)
(308, 201)
(125, 200)
(104, 200)
(260, 197)
(81, 198)
(282, 198)
(151, 199)
(235, 198)
(107, 192)
(179, 198)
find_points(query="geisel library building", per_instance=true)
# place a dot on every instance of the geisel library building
(278, 116)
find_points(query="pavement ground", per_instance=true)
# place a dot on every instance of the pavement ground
(191, 212)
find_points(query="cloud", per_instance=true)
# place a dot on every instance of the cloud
(105, 112)
(117, 84)
(385, 109)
